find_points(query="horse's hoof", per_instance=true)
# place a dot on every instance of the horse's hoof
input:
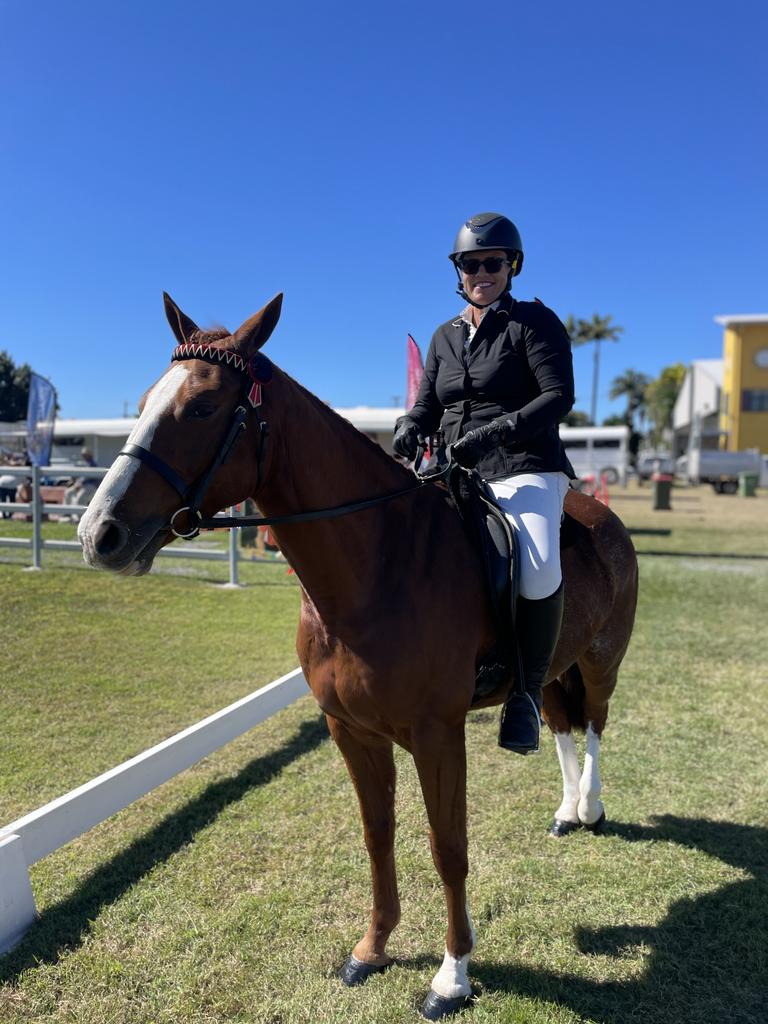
(597, 827)
(355, 972)
(436, 1007)
(561, 827)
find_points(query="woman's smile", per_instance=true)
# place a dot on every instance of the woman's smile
(483, 286)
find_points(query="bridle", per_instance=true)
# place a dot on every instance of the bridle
(258, 372)
(193, 494)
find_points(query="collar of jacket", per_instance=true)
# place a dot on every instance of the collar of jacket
(490, 320)
(505, 303)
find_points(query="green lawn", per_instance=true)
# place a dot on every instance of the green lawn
(234, 892)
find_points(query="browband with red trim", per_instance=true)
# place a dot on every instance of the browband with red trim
(216, 354)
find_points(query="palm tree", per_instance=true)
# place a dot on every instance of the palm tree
(598, 329)
(631, 385)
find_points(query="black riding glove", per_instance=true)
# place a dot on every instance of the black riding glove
(470, 448)
(406, 439)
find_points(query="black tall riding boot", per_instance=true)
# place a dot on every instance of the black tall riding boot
(538, 629)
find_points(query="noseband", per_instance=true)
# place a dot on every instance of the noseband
(257, 371)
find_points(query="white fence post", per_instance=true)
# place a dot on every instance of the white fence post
(37, 519)
(17, 904)
(234, 538)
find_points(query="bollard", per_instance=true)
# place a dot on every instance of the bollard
(662, 491)
(748, 485)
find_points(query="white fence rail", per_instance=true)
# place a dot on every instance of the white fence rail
(39, 509)
(37, 834)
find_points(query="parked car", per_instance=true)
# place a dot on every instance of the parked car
(650, 462)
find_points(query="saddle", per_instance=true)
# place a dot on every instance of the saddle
(492, 537)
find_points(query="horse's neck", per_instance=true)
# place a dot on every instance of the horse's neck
(320, 461)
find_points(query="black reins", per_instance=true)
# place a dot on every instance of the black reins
(258, 371)
(223, 522)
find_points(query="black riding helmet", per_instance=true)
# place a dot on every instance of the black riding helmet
(488, 231)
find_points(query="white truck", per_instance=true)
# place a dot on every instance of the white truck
(719, 468)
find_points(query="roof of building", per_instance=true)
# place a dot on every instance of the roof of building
(364, 417)
(742, 318)
(118, 427)
(713, 367)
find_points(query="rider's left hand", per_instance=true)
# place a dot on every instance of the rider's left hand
(470, 448)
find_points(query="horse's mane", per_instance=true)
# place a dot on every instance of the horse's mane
(201, 337)
(215, 335)
(346, 429)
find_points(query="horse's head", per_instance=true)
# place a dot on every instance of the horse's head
(183, 455)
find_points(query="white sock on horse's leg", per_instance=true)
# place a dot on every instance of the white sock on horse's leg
(590, 805)
(568, 757)
(452, 980)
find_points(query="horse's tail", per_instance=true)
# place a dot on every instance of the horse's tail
(572, 692)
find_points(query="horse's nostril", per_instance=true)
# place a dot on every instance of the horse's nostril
(110, 538)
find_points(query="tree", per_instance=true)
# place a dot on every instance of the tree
(14, 389)
(614, 420)
(598, 329)
(660, 397)
(577, 418)
(632, 386)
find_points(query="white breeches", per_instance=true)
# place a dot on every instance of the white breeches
(533, 504)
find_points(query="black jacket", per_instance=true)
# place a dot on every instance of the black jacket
(518, 366)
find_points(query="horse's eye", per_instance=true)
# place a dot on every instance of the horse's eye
(199, 411)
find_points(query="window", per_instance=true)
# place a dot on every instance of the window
(603, 443)
(754, 400)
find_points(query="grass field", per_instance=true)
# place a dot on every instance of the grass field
(234, 892)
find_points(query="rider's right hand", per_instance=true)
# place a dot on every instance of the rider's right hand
(406, 440)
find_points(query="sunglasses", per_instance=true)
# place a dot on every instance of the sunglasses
(492, 264)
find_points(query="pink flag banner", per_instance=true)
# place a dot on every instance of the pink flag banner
(415, 372)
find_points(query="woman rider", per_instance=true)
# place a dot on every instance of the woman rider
(498, 378)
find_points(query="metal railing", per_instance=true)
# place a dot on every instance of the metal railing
(38, 509)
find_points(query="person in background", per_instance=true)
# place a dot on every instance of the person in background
(7, 489)
(82, 488)
(497, 380)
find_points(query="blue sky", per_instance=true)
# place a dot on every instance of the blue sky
(224, 152)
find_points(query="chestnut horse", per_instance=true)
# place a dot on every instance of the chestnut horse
(394, 613)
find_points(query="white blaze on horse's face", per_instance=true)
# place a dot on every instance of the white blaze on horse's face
(159, 403)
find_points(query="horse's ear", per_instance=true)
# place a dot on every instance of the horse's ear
(254, 332)
(180, 323)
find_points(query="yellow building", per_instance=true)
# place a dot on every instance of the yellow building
(744, 399)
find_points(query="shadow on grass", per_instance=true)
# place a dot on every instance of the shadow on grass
(648, 497)
(707, 959)
(743, 557)
(62, 927)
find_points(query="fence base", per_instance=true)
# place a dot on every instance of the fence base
(17, 904)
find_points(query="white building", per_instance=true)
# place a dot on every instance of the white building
(106, 437)
(697, 407)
